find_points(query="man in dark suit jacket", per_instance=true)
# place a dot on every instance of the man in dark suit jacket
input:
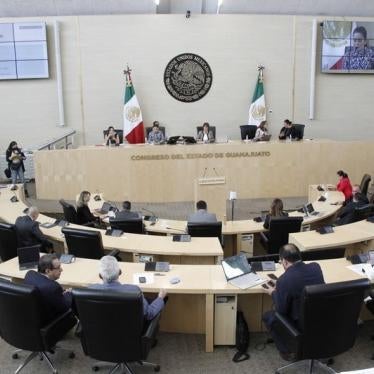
(54, 299)
(347, 214)
(28, 231)
(126, 213)
(287, 291)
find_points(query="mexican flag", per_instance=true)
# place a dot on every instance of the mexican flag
(257, 110)
(133, 128)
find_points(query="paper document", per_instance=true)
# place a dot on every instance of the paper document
(365, 270)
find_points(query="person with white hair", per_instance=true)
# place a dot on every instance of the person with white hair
(28, 231)
(109, 272)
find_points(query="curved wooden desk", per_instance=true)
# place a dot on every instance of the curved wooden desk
(356, 237)
(191, 307)
(198, 251)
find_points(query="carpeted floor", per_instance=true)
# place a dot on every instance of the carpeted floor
(184, 354)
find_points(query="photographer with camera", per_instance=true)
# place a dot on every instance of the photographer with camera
(15, 157)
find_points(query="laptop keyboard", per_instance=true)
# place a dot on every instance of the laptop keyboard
(246, 281)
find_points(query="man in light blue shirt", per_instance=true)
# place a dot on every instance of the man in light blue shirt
(156, 136)
(109, 272)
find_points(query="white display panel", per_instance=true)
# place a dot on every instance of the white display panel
(23, 50)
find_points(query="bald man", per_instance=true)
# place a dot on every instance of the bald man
(28, 231)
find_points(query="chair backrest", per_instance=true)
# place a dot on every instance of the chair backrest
(118, 131)
(329, 314)
(363, 212)
(8, 241)
(113, 317)
(134, 226)
(323, 254)
(70, 214)
(299, 130)
(211, 128)
(248, 131)
(364, 185)
(20, 316)
(149, 129)
(279, 229)
(205, 230)
(84, 243)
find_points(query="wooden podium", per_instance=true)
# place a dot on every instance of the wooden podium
(213, 191)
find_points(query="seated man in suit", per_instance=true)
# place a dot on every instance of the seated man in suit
(109, 272)
(126, 213)
(347, 214)
(287, 291)
(202, 215)
(156, 136)
(54, 299)
(28, 231)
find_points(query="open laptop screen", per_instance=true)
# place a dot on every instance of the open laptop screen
(235, 266)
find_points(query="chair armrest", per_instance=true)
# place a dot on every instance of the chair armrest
(114, 253)
(152, 327)
(264, 237)
(289, 334)
(56, 330)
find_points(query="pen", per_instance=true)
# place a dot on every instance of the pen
(159, 274)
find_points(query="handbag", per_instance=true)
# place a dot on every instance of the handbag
(7, 173)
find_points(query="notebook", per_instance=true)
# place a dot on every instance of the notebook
(28, 257)
(239, 273)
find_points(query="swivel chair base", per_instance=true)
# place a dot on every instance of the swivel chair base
(42, 355)
(124, 367)
(308, 366)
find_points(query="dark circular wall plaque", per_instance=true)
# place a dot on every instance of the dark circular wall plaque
(188, 77)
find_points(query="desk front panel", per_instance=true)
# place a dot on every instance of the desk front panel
(144, 173)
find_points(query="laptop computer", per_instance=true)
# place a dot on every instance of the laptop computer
(104, 209)
(309, 210)
(28, 257)
(239, 273)
(157, 266)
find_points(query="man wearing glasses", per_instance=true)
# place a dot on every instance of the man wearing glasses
(55, 300)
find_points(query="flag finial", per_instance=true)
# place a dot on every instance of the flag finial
(127, 73)
(261, 69)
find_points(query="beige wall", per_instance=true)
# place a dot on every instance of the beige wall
(95, 50)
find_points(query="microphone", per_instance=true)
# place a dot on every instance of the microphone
(172, 228)
(153, 217)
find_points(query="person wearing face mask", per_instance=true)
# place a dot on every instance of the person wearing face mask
(286, 292)
(84, 215)
(15, 157)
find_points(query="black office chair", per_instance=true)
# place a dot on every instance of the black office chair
(118, 131)
(363, 212)
(278, 232)
(70, 214)
(134, 226)
(299, 130)
(149, 129)
(248, 131)
(21, 323)
(8, 241)
(364, 185)
(211, 128)
(324, 330)
(86, 243)
(323, 254)
(205, 230)
(117, 319)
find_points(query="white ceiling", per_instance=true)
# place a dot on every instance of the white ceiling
(25, 8)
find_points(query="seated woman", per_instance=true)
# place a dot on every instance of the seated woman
(261, 131)
(344, 185)
(156, 136)
(84, 215)
(205, 135)
(288, 131)
(276, 210)
(111, 138)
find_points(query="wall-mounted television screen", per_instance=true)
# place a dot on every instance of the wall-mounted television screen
(23, 50)
(348, 47)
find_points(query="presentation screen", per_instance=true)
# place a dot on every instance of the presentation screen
(23, 50)
(348, 47)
